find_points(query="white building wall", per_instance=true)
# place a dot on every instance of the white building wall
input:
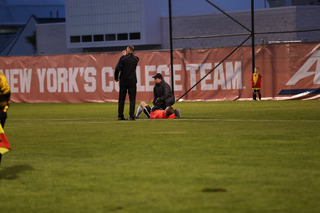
(100, 23)
(266, 20)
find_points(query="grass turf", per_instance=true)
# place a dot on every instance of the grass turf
(219, 157)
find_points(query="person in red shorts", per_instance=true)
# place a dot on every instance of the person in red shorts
(152, 113)
(256, 83)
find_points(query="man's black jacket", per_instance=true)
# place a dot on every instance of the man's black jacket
(162, 92)
(127, 65)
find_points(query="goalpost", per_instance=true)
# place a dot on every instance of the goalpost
(250, 34)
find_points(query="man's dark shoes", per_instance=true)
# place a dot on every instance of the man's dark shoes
(122, 119)
(133, 118)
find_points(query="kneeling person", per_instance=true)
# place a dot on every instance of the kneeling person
(162, 93)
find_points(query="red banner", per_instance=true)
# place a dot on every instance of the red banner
(288, 71)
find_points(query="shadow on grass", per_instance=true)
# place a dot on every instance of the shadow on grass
(214, 190)
(11, 173)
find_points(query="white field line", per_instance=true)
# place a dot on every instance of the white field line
(248, 120)
(75, 120)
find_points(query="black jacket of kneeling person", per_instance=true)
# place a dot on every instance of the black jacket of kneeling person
(162, 94)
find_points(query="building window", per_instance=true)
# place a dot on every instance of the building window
(122, 36)
(134, 36)
(87, 38)
(98, 38)
(75, 39)
(110, 37)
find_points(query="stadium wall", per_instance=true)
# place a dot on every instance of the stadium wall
(266, 20)
(289, 71)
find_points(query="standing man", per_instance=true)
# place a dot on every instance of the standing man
(256, 83)
(4, 98)
(126, 71)
(162, 93)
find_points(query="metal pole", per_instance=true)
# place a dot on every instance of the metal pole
(213, 36)
(171, 50)
(252, 35)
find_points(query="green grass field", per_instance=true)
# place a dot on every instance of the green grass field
(219, 157)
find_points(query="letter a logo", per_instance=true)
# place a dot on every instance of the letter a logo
(305, 72)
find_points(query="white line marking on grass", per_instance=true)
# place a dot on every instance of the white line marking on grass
(75, 120)
(245, 120)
